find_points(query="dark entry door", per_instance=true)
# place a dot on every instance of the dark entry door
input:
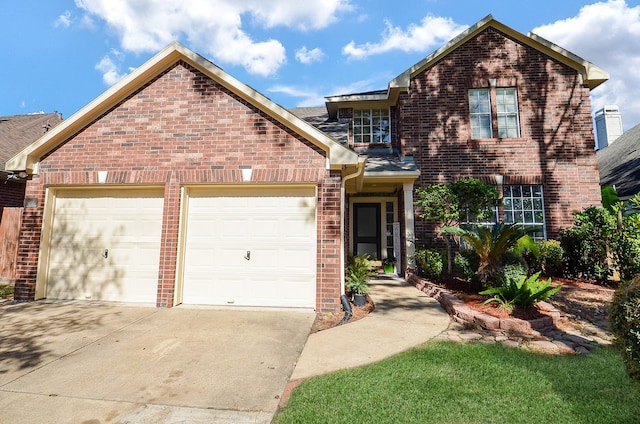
(366, 222)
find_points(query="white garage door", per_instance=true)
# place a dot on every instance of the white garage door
(105, 245)
(251, 247)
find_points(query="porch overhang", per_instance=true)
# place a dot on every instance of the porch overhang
(384, 174)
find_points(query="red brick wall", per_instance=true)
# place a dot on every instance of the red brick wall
(556, 148)
(183, 128)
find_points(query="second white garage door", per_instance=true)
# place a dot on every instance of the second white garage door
(250, 247)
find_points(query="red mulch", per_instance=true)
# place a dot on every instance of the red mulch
(590, 300)
(325, 321)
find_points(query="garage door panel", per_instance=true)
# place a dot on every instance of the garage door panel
(105, 245)
(277, 227)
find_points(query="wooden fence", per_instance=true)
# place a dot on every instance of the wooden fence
(9, 235)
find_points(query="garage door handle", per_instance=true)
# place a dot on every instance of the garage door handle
(105, 253)
(248, 257)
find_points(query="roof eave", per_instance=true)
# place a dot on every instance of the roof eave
(592, 75)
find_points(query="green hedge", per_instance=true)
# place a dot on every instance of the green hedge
(624, 317)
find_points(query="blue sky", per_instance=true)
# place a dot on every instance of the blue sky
(61, 54)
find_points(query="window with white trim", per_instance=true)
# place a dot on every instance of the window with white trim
(371, 126)
(481, 112)
(524, 204)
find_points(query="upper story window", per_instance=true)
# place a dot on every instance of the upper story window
(481, 113)
(371, 126)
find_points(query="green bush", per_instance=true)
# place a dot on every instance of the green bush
(357, 273)
(624, 318)
(512, 272)
(430, 262)
(467, 263)
(586, 244)
(526, 292)
(626, 246)
(551, 256)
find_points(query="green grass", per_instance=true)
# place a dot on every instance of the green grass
(6, 291)
(446, 382)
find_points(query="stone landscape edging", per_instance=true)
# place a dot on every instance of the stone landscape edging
(470, 318)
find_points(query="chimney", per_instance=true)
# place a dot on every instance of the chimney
(608, 125)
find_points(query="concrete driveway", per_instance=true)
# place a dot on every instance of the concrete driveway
(89, 362)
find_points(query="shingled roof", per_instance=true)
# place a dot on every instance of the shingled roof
(619, 164)
(18, 131)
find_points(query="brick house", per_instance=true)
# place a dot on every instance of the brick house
(182, 185)
(494, 104)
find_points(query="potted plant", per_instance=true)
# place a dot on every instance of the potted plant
(357, 273)
(388, 265)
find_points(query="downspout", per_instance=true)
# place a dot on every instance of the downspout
(343, 195)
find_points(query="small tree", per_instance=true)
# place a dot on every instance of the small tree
(491, 245)
(448, 205)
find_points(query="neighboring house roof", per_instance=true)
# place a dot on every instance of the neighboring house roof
(27, 159)
(619, 164)
(591, 75)
(18, 131)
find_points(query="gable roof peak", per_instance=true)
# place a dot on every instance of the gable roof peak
(27, 159)
(591, 74)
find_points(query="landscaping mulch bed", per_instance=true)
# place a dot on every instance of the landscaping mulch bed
(325, 321)
(580, 303)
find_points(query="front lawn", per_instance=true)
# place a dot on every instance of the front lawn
(445, 382)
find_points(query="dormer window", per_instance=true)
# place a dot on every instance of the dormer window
(371, 126)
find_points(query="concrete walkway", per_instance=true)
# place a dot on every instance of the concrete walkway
(403, 318)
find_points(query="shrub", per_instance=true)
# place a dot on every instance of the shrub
(624, 318)
(626, 245)
(357, 273)
(491, 244)
(585, 244)
(514, 269)
(526, 292)
(430, 262)
(467, 263)
(551, 255)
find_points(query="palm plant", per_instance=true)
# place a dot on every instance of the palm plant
(491, 244)
(357, 274)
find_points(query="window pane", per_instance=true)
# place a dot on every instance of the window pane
(507, 110)
(525, 205)
(528, 217)
(371, 125)
(480, 113)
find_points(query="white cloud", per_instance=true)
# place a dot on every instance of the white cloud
(432, 31)
(606, 34)
(64, 20)
(307, 57)
(110, 69)
(213, 27)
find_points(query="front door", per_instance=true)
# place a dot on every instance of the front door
(366, 222)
